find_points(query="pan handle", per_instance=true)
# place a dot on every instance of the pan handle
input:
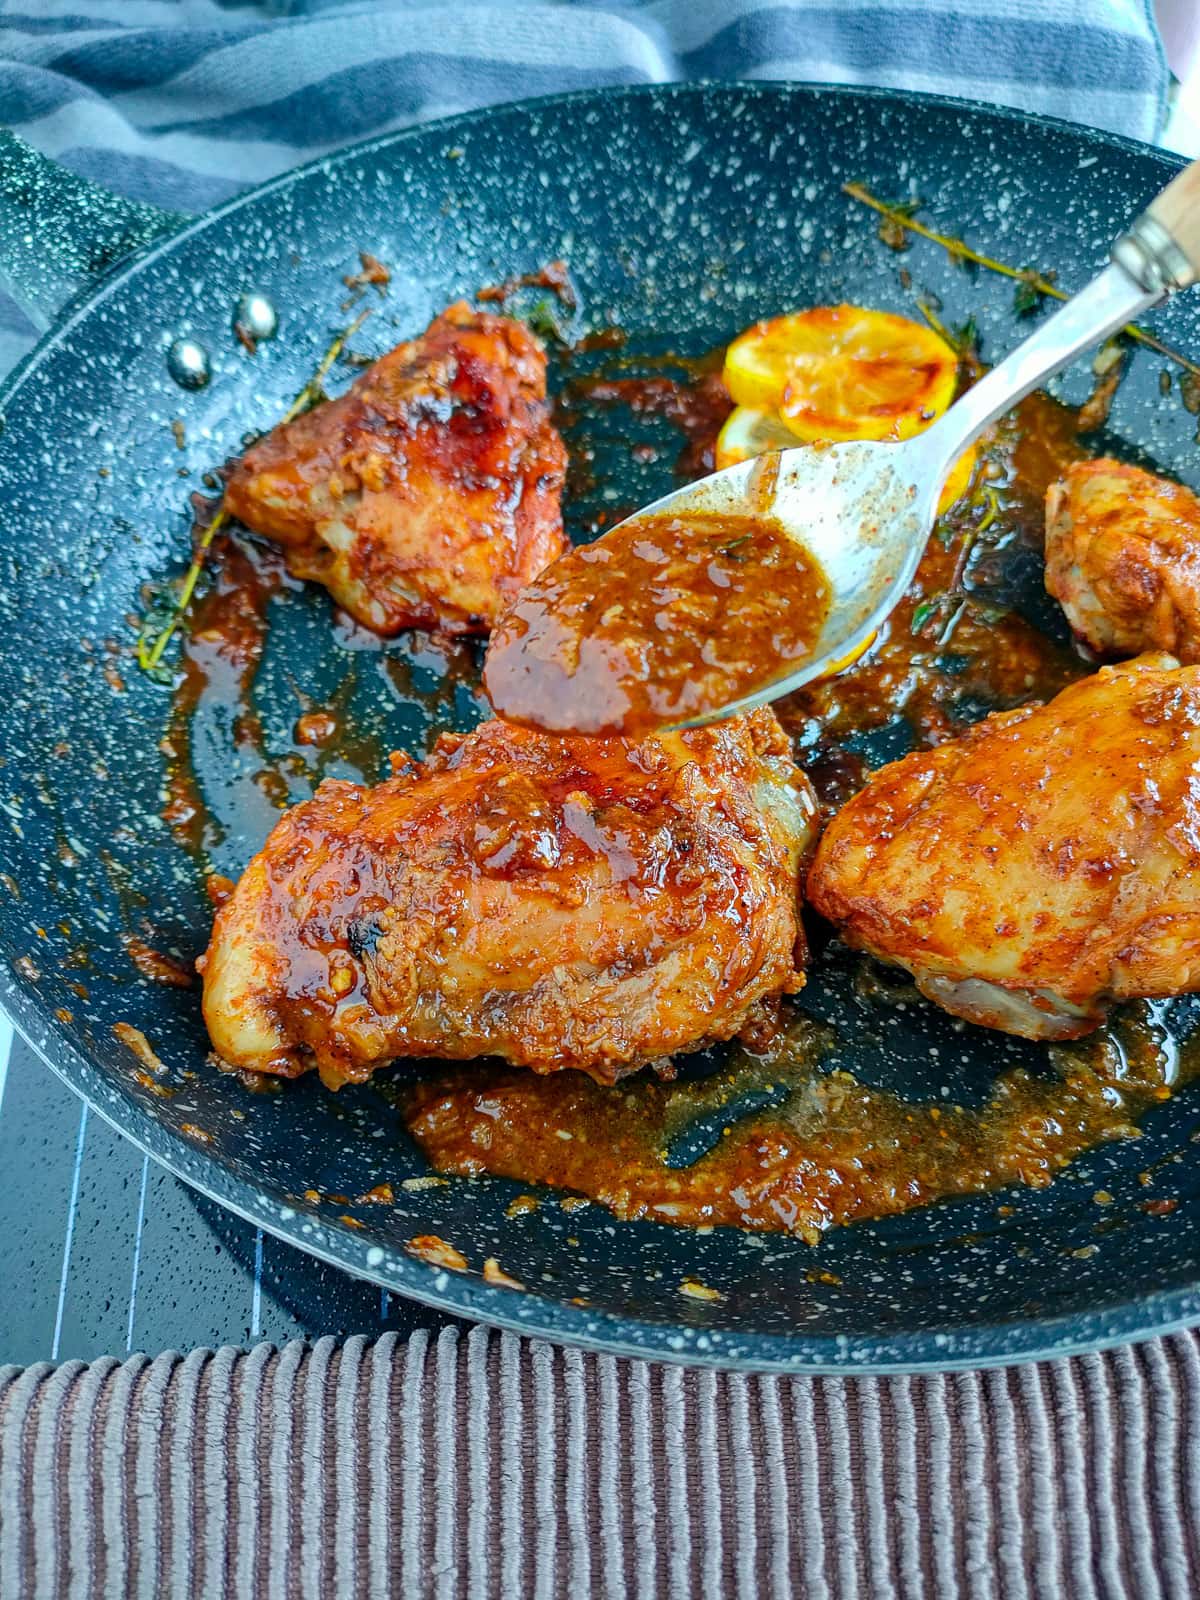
(59, 233)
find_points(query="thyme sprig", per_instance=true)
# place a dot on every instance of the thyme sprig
(954, 598)
(964, 341)
(165, 614)
(1031, 283)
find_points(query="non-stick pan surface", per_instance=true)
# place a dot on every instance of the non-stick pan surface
(684, 214)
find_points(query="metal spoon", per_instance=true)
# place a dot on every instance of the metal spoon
(865, 511)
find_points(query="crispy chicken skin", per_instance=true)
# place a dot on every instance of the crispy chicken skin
(1123, 559)
(1043, 865)
(558, 902)
(428, 494)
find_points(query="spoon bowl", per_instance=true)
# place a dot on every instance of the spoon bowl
(862, 511)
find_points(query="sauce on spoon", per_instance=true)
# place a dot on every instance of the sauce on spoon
(665, 618)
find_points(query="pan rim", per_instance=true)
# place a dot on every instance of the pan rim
(978, 1346)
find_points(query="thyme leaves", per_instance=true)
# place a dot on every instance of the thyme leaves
(1030, 282)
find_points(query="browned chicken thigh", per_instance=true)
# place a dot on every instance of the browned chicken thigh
(559, 902)
(428, 494)
(1043, 865)
(1123, 559)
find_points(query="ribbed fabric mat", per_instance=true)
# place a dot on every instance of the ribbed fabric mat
(483, 1465)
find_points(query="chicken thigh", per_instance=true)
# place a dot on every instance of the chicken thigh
(558, 902)
(1123, 559)
(428, 494)
(1043, 865)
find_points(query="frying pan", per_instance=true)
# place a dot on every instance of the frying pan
(685, 212)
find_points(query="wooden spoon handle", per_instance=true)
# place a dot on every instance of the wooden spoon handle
(1162, 249)
(1177, 209)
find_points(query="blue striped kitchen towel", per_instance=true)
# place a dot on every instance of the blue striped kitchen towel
(183, 102)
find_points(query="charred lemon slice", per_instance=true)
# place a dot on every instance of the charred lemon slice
(839, 372)
(748, 432)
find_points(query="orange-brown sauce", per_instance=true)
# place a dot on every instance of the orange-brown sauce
(663, 619)
(227, 780)
(830, 1149)
(220, 656)
(694, 400)
(156, 966)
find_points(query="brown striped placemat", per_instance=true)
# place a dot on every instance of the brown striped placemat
(485, 1465)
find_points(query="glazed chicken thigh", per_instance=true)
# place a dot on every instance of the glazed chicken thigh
(1043, 865)
(1123, 559)
(428, 494)
(559, 902)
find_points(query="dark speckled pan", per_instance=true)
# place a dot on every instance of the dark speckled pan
(686, 212)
